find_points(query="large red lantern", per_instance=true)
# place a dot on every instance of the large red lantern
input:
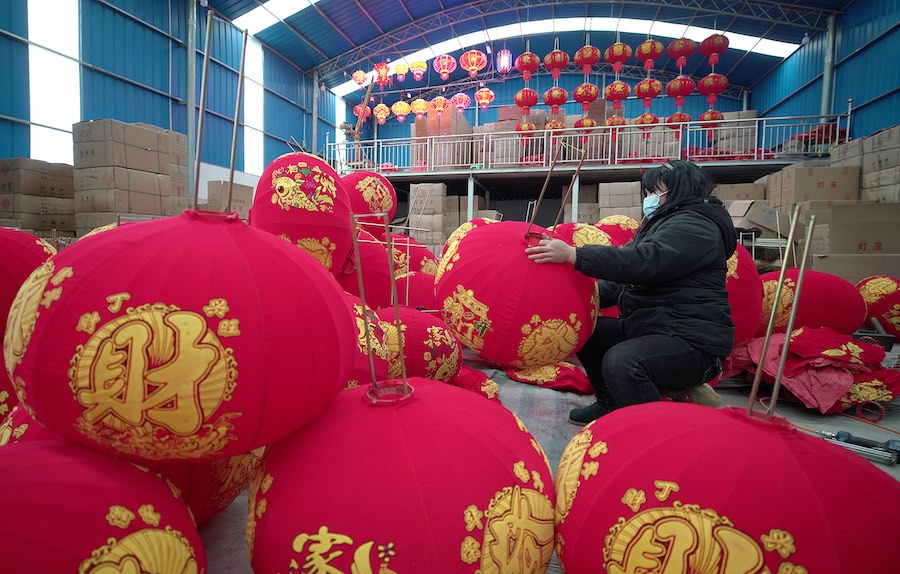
(484, 97)
(745, 294)
(400, 109)
(680, 50)
(361, 371)
(416, 290)
(300, 198)
(359, 77)
(648, 51)
(411, 256)
(473, 62)
(419, 107)
(444, 65)
(586, 57)
(555, 97)
(513, 323)
(712, 85)
(556, 61)
(882, 296)
(151, 340)
(460, 101)
(727, 492)
(381, 113)
(373, 260)
(498, 519)
(527, 63)
(620, 228)
(370, 192)
(70, 509)
(647, 89)
(680, 88)
(617, 92)
(401, 69)
(366, 111)
(430, 348)
(453, 240)
(713, 46)
(825, 301)
(382, 74)
(585, 94)
(418, 70)
(617, 54)
(439, 105)
(526, 98)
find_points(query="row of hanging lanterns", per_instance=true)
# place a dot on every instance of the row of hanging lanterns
(419, 106)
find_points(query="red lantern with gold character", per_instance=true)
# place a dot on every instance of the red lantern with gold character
(703, 498)
(411, 256)
(710, 117)
(648, 51)
(745, 294)
(174, 356)
(513, 323)
(526, 98)
(675, 121)
(680, 88)
(617, 54)
(382, 74)
(370, 192)
(647, 89)
(360, 373)
(713, 46)
(555, 97)
(615, 122)
(498, 519)
(444, 65)
(419, 107)
(646, 121)
(359, 77)
(586, 57)
(453, 240)
(712, 85)
(585, 94)
(527, 63)
(366, 111)
(473, 62)
(586, 124)
(882, 296)
(381, 113)
(825, 301)
(556, 61)
(617, 92)
(680, 50)
(91, 513)
(484, 97)
(430, 348)
(439, 105)
(400, 109)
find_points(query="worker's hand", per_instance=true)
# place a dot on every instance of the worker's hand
(551, 251)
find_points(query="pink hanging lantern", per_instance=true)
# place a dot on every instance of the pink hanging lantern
(401, 69)
(418, 70)
(381, 113)
(444, 65)
(401, 110)
(504, 62)
(359, 77)
(460, 101)
(473, 62)
(484, 97)
(439, 105)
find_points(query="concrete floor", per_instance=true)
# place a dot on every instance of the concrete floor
(545, 413)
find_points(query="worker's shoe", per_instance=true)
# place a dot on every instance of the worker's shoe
(704, 395)
(584, 415)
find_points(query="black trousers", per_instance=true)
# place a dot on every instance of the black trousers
(632, 371)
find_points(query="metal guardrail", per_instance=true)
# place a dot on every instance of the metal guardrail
(786, 138)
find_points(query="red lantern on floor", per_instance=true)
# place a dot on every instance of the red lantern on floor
(101, 514)
(513, 323)
(680, 50)
(444, 65)
(556, 61)
(418, 70)
(460, 101)
(401, 69)
(360, 372)
(882, 296)
(617, 54)
(560, 376)
(359, 77)
(416, 290)
(620, 228)
(526, 98)
(493, 520)
(713, 46)
(647, 89)
(430, 348)
(703, 498)
(555, 97)
(477, 381)
(826, 301)
(484, 97)
(527, 63)
(370, 192)
(745, 294)
(412, 256)
(373, 259)
(419, 107)
(712, 85)
(360, 109)
(648, 51)
(381, 113)
(586, 57)
(382, 75)
(439, 105)
(400, 109)
(301, 199)
(680, 88)
(473, 62)
(585, 94)
(152, 340)
(617, 92)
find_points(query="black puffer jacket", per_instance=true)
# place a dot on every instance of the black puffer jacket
(670, 279)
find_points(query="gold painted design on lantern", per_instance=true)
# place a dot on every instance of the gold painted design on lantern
(780, 541)
(379, 347)
(302, 187)
(784, 306)
(320, 551)
(217, 307)
(732, 265)
(260, 483)
(23, 314)
(99, 230)
(518, 530)
(149, 515)
(119, 516)
(375, 193)
(87, 323)
(547, 341)
(392, 341)
(468, 317)
(232, 475)
(46, 247)
(441, 367)
(351, 384)
(490, 389)
(540, 374)
(521, 472)
(873, 390)
(470, 550)
(10, 434)
(4, 408)
(634, 498)
(473, 518)
(574, 468)
(428, 266)
(156, 370)
(851, 349)
(876, 288)
(146, 551)
(401, 260)
(116, 301)
(665, 488)
(625, 222)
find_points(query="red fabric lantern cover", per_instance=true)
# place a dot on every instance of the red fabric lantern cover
(370, 192)
(556, 61)
(648, 88)
(620, 228)
(680, 50)
(71, 509)
(174, 339)
(879, 386)
(360, 374)
(375, 271)
(555, 97)
(712, 85)
(745, 294)
(616, 92)
(560, 376)
(725, 493)
(713, 46)
(826, 301)
(498, 518)
(617, 54)
(680, 88)
(581, 234)
(497, 300)
(301, 199)
(526, 64)
(412, 256)
(585, 94)
(648, 51)
(453, 240)
(484, 97)
(473, 62)
(360, 109)
(526, 98)
(477, 381)
(586, 57)
(882, 296)
(416, 290)
(430, 348)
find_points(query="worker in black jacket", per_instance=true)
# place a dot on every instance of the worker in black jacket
(674, 328)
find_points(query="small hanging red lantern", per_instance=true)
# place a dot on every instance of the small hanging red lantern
(679, 88)
(401, 110)
(555, 97)
(444, 65)
(358, 109)
(616, 92)
(504, 61)
(649, 51)
(648, 88)
(359, 77)
(525, 127)
(556, 61)
(617, 54)
(645, 122)
(440, 104)
(585, 94)
(527, 63)
(710, 119)
(460, 101)
(484, 97)
(712, 85)
(401, 69)
(680, 50)
(382, 75)
(586, 57)
(713, 46)
(418, 70)
(674, 122)
(381, 113)
(586, 124)
(419, 107)
(473, 62)
(526, 98)
(615, 122)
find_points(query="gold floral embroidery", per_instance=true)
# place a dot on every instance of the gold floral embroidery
(119, 516)
(780, 541)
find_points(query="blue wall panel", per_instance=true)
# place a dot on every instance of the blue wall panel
(14, 139)
(880, 114)
(283, 119)
(217, 140)
(863, 21)
(14, 65)
(107, 97)
(14, 17)
(272, 148)
(800, 68)
(149, 12)
(281, 77)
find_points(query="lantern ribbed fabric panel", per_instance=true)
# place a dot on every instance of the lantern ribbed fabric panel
(370, 192)
(620, 228)
(745, 294)
(882, 296)
(825, 301)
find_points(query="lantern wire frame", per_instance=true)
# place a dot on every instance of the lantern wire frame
(533, 238)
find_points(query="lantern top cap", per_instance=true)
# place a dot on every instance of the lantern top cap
(389, 393)
(206, 215)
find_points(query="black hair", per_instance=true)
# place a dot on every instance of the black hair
(683, 179)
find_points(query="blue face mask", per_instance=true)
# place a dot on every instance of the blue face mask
(651, 203)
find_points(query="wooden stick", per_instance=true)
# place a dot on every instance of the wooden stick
(544, 188)
(562, 207)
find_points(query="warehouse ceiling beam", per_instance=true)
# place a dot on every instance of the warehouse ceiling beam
(298, 34)
(369, 16)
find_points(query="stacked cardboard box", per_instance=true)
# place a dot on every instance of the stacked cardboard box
(36, 195)
(737, 136)
(811, 181)
(735, 191)
(241, 198)
(862, 239)
(880, 180)
(619, 194)
(426, 214)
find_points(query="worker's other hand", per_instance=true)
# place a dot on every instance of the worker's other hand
(551, 251)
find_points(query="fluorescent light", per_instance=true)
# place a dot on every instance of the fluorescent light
(635, 26)
(503, 32)
(473, 39)
(536, 27)
(447, 46)
(53, 24)
(569, 25)
(602, 24)
(775, 48)
(268, 14)
(667, 30)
